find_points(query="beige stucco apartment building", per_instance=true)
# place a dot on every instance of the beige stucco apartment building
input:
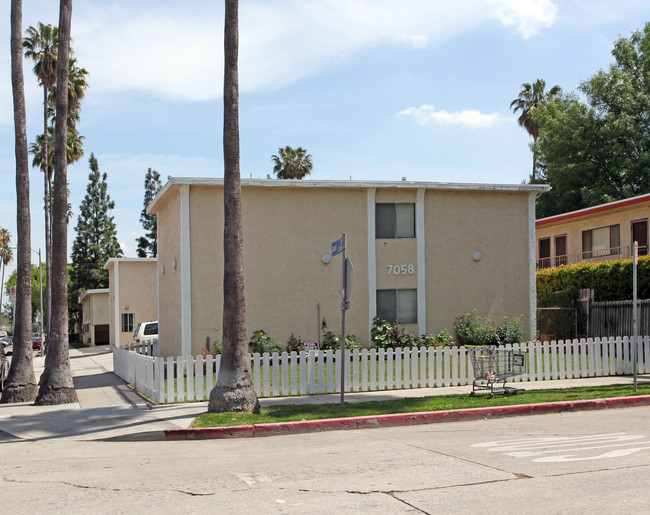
(133, 298)
(423, 254)
(94, 317)
(600, 233)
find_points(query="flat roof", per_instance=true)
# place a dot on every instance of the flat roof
(110, 261)
(93, 292)
(594, 209)
(296, 183)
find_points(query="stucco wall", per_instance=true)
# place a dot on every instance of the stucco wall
(169, 274)
(138, 294)
(285, 236)
(460, 223)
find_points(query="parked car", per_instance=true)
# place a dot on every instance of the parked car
(36, 341)
(145, 330)
(7, 345)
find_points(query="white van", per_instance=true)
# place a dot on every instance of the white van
(145, 330)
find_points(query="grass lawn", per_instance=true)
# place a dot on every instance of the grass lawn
(287, 413)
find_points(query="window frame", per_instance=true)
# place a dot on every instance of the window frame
(127, 320)
(393, 229)
(413, 319)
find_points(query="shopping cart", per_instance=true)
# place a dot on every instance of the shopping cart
(493, 366)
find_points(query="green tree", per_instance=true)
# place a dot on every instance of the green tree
(55, 385)
(96, 235)
(530, 98)
(599, 150)
(148, 244)
(21, 381)
(6, 255)
(233, 391)
(12, 280)
(292, 163)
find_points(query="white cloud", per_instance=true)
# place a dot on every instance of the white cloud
(175, 51)
(528, 16)
(469, 118)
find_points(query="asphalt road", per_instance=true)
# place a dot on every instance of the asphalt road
(577, 462)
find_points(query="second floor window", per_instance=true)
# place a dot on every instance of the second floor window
(395, 220)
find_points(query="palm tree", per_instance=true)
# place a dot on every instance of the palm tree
(233, 391)
(292, 163)
(21, 382)
(55, 385)
(531, 97)
(41, 46)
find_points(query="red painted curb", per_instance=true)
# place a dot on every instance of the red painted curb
(401, 419)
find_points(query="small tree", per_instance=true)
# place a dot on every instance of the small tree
(147, 244)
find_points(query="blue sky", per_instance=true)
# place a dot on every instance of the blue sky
(374, 89)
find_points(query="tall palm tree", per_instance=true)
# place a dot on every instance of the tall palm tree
(530, 97)
(233, 391)
(292, 163)
(55, 385)
(40, 45)
(21, 382)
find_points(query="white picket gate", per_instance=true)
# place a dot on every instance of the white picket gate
(186, 378)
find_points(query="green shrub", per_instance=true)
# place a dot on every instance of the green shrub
(294, 344)
(472, 329)
(610, 281)
(442, 339)
(386, 335)
(333, 342)
(260, 343)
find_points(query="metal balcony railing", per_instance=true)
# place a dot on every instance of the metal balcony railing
(592, 256)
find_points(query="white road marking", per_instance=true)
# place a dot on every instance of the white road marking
(564, 449)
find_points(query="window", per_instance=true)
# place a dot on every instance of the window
(544, 254)
(603, 241)
(640, 235)
(395, 220)
(560, 250)
(399, 306)
(127, 322)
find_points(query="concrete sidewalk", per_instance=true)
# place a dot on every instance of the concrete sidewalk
(108, 409)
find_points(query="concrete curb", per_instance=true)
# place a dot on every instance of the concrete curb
(400, 419)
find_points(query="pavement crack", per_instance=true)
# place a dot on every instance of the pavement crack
(195, 494)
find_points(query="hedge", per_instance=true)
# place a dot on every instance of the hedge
(610, 281)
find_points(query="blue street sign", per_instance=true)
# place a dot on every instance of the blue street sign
(337, 247)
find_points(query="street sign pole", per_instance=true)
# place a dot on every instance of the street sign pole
(634, 310)
(338, 247)
(343, 309)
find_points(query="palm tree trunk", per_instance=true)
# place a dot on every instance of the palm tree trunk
(56, 386)
(21, 382)
(233, 391)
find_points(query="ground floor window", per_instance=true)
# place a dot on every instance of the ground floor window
(127, 322)
(400, 306)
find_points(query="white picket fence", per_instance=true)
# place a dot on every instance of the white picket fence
(316, 372)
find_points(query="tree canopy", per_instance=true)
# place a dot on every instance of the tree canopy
(148, 244)
(292, 163)
(96, 239)
(597, 150)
